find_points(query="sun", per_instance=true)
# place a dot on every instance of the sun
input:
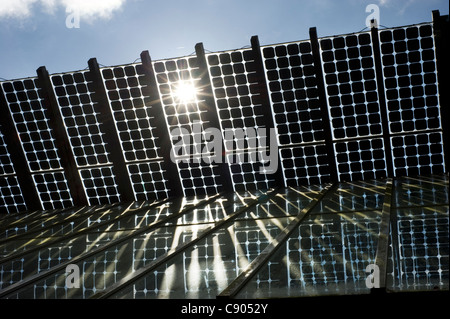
(185, 92)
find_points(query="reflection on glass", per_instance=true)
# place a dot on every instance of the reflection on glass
(326, 255)
(353, 196)
(421, 191)
(419, 249)
(209, 266)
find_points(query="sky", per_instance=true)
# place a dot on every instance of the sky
(64, 34)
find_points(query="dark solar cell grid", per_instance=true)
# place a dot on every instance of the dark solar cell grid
(360, 160)
(196, 178)
(245, 171)
(351, 87)
(6, 165)
(306, 165)
(418, 154)
(293, 92)
(237, 96)
(82, 120)
(11, 199)
(148, 180)
(100, 185)
(129, 98)
(234, 83)
(409, 68)
(31, 122)
(53, 190)
(199, 179)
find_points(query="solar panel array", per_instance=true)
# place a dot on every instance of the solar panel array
(24, 102)
(238, 92)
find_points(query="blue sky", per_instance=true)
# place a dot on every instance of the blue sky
(33, 33)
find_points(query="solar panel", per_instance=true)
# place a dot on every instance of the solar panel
(418, 154)
(129, 97)
(235, 89)
(293, 92)
(100, 185)
(351, 87)
(74, 93)
(6, 165)
(411, 88)
(361, 159)
(84, 128)
(409, 68)
(324, 96)
(37, 139)
(53, 190)
(11, 199)
(419, 249)
(187, 121)
(31, 121)
(327, 254)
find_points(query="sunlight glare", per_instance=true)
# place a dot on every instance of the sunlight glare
(185, 92)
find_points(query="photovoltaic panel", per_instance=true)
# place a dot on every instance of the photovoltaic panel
(239, 105)
(410, 76)
(100, 185)
(187, 122)
(83, 123)
(305, 165)
(326, 254)
(53, 190)
(11, 199)
(31, 122)
(129, 97)
(351, 88)
(418, 154)
(6, 165)
(38, 142)
(360, 159)
(419, 250)
(81, 118)
(292, 86)
(149, 178)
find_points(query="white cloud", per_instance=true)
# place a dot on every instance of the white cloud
(87, 9)
(16, 8)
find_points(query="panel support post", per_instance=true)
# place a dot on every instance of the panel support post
(20, 163)
(161, 130)
(62, 140)
(265, 102)
(111, 136)
(213, 117)
(382, 101)
(323, 104)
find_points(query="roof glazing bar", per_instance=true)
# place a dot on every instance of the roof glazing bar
(35, 278)
(381, 259)
(133, 277)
